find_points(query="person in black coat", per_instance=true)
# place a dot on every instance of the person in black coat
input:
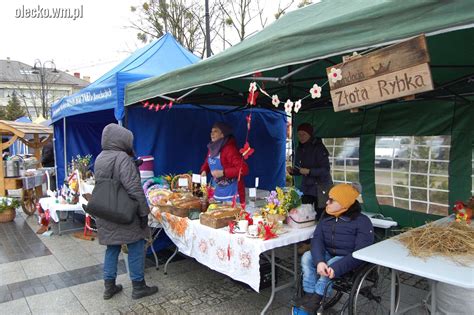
(47, 155)
(312, 163)
(342, 230)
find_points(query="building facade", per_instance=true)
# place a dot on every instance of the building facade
(37, 88)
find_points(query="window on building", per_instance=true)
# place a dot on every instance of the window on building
(26, 71)
(344, 159)
(412, 173)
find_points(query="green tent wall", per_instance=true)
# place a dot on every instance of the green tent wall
(415, 118)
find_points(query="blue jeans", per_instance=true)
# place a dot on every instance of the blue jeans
(136, 261)
(312, 282)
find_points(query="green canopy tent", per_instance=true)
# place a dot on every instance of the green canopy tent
(293, 53)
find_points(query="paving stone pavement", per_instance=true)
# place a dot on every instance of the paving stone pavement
(62, 275)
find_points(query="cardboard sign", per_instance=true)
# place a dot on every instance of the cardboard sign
(182, 182)
(252, 192)
(197, 178)
(389, 73)
(203, 180)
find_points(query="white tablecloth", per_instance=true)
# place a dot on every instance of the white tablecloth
(234, 255)
(49, 203)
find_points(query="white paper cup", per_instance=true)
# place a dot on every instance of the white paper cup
(243, 225)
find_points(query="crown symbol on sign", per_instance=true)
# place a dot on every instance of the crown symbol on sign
(381, 69)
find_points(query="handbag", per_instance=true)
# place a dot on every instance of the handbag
(302, 217)
(110, 201)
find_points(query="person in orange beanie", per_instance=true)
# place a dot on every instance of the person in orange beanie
(342, 230)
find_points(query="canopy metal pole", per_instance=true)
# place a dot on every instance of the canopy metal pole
(208, 29)
(186, 94)
(65, 148)
(55, 163)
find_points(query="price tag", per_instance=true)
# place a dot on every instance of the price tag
(256, 182)
(203, 180)
(197, 178)
(252, 192)
(182, 182)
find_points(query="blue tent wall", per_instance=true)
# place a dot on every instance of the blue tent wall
(177, 139)
(84, 133)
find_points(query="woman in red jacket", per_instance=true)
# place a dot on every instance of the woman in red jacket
(224, 162)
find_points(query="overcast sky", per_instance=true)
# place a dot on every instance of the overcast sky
(91, 44)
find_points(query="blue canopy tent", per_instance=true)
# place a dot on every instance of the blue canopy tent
(79, 119)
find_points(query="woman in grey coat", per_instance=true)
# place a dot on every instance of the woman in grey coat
(115, 161)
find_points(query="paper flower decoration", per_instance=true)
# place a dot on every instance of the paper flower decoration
(246, 151)
(253, 87)
(170, 104)
(288, 106)
(145, 105)
(315, 91)
(297, 106)
(335, 75)
(267, 231)
(157, 107)
(275, 100)
(249, 121)
(252, 98)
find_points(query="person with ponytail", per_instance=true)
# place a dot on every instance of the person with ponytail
(342, 230)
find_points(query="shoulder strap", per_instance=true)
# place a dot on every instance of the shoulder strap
(113, 169)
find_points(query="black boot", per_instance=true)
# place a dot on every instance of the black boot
(304, 299)
(312, 304)
(140, 289)
(111, 288)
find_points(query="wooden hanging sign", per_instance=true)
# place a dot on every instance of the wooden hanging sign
(388, 73)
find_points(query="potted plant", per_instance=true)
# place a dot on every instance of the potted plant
(82, 164)
(8, 209)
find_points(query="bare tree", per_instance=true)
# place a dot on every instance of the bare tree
(183, 19)
(241, 15)
(230, 20)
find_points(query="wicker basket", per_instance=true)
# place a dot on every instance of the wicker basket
(175, 182)
(166, 208)
(7, 215)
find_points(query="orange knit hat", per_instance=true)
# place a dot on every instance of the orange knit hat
(344, 194)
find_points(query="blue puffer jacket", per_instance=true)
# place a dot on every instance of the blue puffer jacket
(341, 237)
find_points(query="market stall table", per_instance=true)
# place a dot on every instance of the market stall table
(393, 254)
(54, 207)
(235, 255)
